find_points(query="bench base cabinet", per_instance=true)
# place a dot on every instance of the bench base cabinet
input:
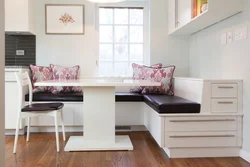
(73, 115)
(184, 136)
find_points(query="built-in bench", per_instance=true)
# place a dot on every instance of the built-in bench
(163, 104)
(203, 119)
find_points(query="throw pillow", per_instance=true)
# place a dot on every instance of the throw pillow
(163, 75)
(138, 75)
(40, 73)
(65, 73)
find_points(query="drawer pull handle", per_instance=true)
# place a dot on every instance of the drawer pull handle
(216, 120)
(225, 102)
(225, 87)
(202, 136)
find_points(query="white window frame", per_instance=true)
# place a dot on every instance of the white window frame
(146, 33)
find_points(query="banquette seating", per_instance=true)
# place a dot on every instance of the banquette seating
(163, 104)
(189, 124)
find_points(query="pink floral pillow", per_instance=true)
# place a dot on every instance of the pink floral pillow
(163, 75)
(65, 73)
(39, 73)
(138, 75)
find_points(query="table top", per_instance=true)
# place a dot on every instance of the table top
(97, 83)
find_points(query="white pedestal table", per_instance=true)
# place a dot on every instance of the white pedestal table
(98, 114)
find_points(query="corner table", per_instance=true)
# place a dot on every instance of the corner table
(99, 113)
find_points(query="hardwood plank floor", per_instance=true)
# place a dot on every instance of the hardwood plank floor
(40, 151)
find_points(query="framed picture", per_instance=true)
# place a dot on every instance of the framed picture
(64, 19)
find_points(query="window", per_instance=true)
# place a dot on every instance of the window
(121, 40)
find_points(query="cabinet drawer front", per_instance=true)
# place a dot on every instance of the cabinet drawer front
(224, 105)
(190, 124)
(200, 139)
(224, 90)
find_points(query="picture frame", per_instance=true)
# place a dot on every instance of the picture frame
(64, 19)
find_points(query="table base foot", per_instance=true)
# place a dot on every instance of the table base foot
(76, 143)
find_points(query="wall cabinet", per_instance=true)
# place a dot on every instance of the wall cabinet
(179, 13)
(182, 22)
(19, 17)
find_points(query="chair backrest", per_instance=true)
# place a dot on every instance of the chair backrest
(23, 80)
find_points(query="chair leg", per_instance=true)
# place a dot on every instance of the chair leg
(56, 131)
(16, 134)
(28, 130)
(63, 130)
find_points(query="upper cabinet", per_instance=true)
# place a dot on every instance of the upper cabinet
(186, 17)
(19, 16)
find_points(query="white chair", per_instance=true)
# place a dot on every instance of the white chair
(34, 110)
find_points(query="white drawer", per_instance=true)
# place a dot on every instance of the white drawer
(224, 105)
(200, 139)
(184, 124)
(224, 90)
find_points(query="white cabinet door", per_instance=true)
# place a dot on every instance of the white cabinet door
(184, 12)
(171, 15)
(11, 102)
(19, 16)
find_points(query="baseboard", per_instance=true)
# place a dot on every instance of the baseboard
(245, 155)
(202, 152)
(10, 132)
(48, 129)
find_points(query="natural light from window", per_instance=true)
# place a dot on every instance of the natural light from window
(121, 40)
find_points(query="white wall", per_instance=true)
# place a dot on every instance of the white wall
(163, 48)
(2, 150)
(82, 49)
(67, 50)
(209, 58)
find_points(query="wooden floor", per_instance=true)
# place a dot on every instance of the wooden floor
(41, 152)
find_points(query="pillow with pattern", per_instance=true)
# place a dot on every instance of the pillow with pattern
(138, 75)
(163, 75)
(65, 73)
(40, 73)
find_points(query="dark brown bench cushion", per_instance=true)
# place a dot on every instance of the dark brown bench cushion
(78, 97)
(128, 97)
(164, 104)
(62, 97)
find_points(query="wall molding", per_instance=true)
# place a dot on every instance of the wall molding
(245, 155)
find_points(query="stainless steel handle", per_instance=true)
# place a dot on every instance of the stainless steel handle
(205, 120)
(225, 102)
(225, 87)
(202, 136)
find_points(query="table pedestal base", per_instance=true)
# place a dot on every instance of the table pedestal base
(76, 143)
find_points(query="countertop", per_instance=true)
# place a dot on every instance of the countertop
(17, 67)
